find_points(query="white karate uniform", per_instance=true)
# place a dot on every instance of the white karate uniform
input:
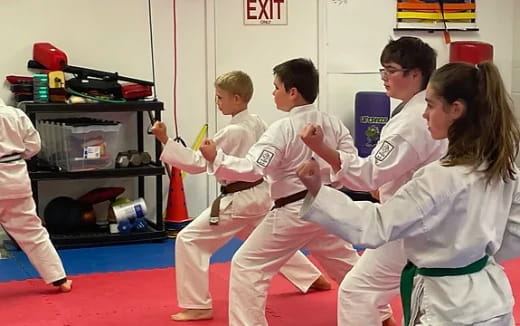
(240, 212)
(448, 218)
(277, 154)
(405, 145)
(17, 208)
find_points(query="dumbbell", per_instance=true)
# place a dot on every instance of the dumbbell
(132, 158)
(145, 158)
(122, 160)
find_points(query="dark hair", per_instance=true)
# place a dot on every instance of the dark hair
(301, 74)
(487, 132)
(411, 53)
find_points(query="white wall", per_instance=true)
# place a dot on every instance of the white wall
(355, 34)
(212, 39)
(193, 76)
(256, 49)
(343, 37)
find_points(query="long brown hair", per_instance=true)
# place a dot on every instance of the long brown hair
(487, 135)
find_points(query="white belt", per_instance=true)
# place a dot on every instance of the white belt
(10, 158)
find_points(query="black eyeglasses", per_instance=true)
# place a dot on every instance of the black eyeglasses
(385, 72)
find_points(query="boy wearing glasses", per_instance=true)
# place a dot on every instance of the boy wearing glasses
(405, 145)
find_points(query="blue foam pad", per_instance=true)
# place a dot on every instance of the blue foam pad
(107, 259)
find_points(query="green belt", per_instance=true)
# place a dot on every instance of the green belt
(410, 270)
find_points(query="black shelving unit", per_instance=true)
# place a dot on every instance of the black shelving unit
(156, 230)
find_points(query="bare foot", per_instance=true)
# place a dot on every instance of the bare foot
(193, 314)
(321, 284)
(67, 286)
(390, 322)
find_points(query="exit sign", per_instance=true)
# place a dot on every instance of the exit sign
(265, 12)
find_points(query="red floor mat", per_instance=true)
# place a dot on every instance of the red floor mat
(147, 297)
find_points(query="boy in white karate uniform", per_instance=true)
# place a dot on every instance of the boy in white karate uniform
(455, 214)
(276, 155)
(404, 146)
(236, 212)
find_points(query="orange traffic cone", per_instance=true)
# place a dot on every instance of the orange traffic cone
(176, 209)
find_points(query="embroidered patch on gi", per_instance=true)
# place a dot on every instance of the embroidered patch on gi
(265, 158)
(384, 151)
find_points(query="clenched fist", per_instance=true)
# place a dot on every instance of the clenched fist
(312, 136)
(208, 148)
(309, 174)
(160, 132)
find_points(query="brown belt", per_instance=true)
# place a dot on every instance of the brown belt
(281, 202)
(229, 189)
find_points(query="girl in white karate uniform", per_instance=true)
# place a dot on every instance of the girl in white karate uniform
(20, 141)
(458, 217)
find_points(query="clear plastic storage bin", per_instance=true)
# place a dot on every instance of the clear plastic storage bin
(79, 144)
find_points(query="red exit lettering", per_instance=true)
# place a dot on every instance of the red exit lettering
(264, 9)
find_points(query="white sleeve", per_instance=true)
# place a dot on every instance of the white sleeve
(228, 139)
(510, 247)
(345, 141)
(371, 225)
(234, 168)
(31, 137)
(263, 156)
(390, 159)
(184, 158)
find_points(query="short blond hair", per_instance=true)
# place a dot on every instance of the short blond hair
(236, 82)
